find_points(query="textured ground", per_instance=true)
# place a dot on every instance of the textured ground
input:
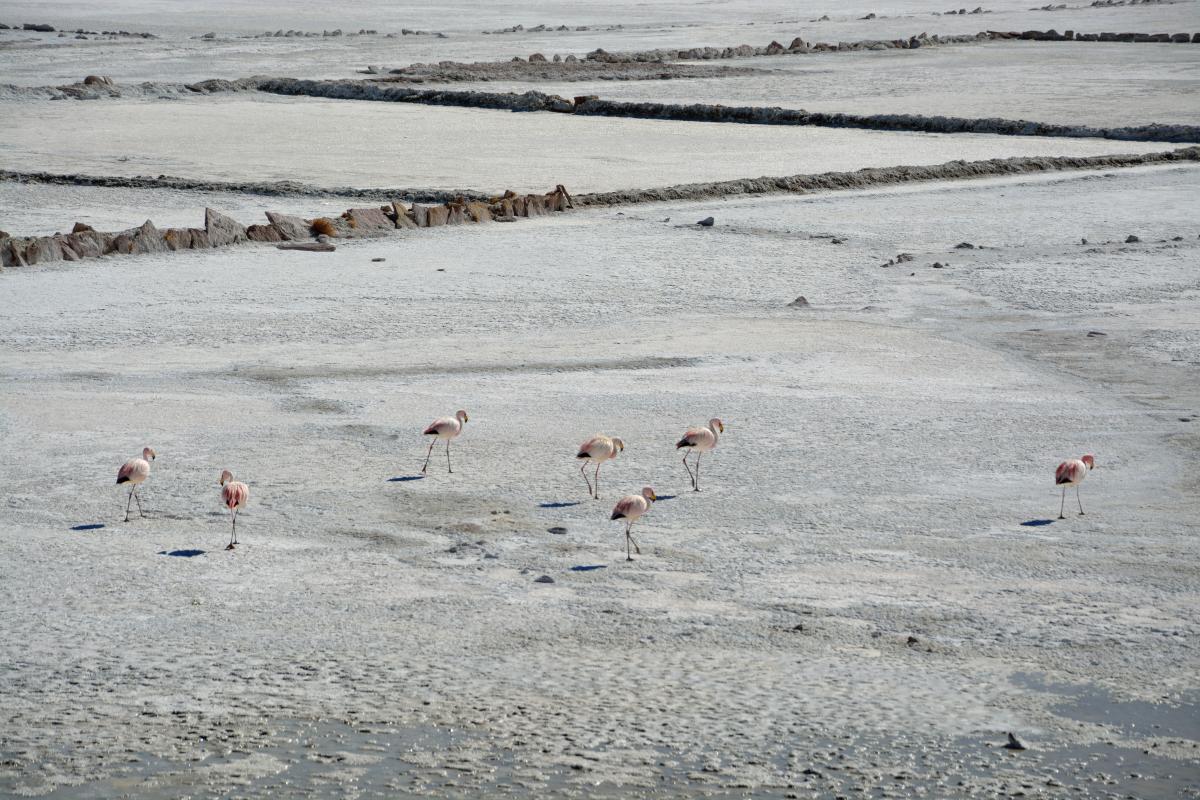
(884, 448)
(871, 590)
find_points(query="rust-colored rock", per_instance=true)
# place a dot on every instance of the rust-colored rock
(263, 233)
(404, 217)
(368, 221)
(438, 215)
(178, 238)
(479, 212)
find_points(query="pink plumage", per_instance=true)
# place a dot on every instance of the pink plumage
(597, 450)
(630, 508)
(1071, 473)
(444, 428)
(135, 471)
(234, 495)
(699, 441)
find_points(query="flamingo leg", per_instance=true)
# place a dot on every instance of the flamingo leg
(1079, 501)
(138, 500)
(448, 467)
(1063, 504)
(696, 483)
(233, 535)
(582, 472)
(636, 549)
(427, 455)
(689, 469)
(128, 503)
(597, 495)
(628, 539)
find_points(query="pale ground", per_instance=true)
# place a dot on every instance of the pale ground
(882, 450)
(378, 144)
(872, 587)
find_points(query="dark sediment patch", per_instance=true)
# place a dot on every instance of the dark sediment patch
(568, 71)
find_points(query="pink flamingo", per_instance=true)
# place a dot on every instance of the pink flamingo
(444, 428)
(234, 495)
(135, 471)
(1072, 473)
(701, 440)
(629, 508)
(599, 448)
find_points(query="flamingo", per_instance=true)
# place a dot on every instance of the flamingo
(234, 495)
(444, 428)
(701, 440)
(629, 508)
(135, 471)
(599, 448)
(1071, 473)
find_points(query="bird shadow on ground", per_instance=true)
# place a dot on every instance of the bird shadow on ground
(91, 526)
(1036, 523)
(559, 505)
(182, 553)
(587, 567)
(405, 478)
(665, 497)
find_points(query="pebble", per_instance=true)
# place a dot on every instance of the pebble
(707, 222)
(544, 579)
(558, 530)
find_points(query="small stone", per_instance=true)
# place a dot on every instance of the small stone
(937, 265)
(1131, 239)
(1014, 743)
(1094, 334)
(707, 222)
(913, 640)
(377, 260)
(544, 579)
(964, 246)
(799, 302)
(1083, 241)
(558, 530)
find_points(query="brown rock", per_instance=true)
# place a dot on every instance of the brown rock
(97, 80)
(420, 215)
(438, 215)
(43, 249)
(178, 238)
(308, 247)
(12, 253)
(222, 230)
(199, 239)
(456, 214)
(368, 221)
(67, 253)
(479, 212)
(289, 227)
(148, 239)
(263, 233)
(404, 218)
(81, 228)
(535, 206)
(89, 243)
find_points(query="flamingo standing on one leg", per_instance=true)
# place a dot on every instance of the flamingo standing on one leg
(629, 508)
(234, 495)
(700, 440)
(135, 471)
(1072, 473)
(599, 448)
(444, 428)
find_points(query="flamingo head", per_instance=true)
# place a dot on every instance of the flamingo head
(716, 425)
(620, 445)
(1090, 461)
(148, 453)
(649, 494)
(226, 477)
(461, 416)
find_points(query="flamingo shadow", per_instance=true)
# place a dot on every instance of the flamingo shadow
(587, 567)
(182, 553)
(406, 478)
(558, 505)
(1037, 523)
(667, 497)
(92, 526)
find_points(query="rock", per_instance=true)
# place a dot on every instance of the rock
(404, 218)
(964, 246)
(1094, 334)
(775, 48)
(937, 265)
(290, 228)
(97, 80)
(222, 230)
(1131, 239)
(40, 27)
(707, 222)
(209, 35)
(557, 530)
(537, 58)
(178, 238)
(912, 640)
(797, 44)
(368, 221)
(143, 239)
(479, 212)
(436, 216)
(308, 247)
(263, 233)
(902, 257)
(1014, 743)
(544, 579)
(799, 302)
(535, 206)
(12, 253)
(420, 215)
(322, 226)
(199, 239)
(43, 249)
(378, 260)
(1083, 241)
(456, 214)
(79, 227)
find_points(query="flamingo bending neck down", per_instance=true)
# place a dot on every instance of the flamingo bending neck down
(629, 508)
(1071, 473)
(598, 449)
(234, 495)
(444, 428)
(134, 472)
(700, 440)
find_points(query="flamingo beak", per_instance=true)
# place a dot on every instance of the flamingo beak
(653, 497)
(722, 427)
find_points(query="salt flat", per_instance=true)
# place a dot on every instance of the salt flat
(883, 449)
(367, 144)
